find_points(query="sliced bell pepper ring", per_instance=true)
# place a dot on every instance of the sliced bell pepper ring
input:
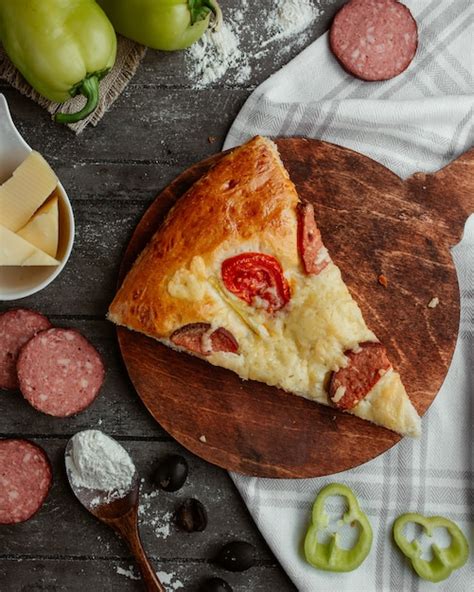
(330, 556)
(445, 560)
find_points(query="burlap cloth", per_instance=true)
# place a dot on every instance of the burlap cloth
(129, 56)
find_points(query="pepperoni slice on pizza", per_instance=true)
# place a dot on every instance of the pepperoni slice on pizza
(238, 275)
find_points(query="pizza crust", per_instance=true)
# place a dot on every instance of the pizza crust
(246, 196)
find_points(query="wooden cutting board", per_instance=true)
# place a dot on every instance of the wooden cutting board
(372, 223)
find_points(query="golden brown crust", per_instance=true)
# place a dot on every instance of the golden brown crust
(247, 196)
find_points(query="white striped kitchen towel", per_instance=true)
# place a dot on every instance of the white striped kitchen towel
(419, 121)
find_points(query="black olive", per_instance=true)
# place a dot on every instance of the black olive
(215, 585)
(236, 556)
(171, 472)
(191, 516)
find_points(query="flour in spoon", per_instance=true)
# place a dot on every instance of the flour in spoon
(99, 462)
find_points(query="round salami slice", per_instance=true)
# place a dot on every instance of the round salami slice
(201, 339)
(60, 372)
(366, 365)
(374, 39)
(25, 480)
(222, 340)
(17, 326)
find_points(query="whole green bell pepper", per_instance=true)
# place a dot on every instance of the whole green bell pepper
(445, 560)
(62, 47)
(163, 24)
(330, 556)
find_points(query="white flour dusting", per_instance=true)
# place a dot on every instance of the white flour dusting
(128, 573)
(100, 463)
(170, 580)
(160, 523)
(219, 54)
(215, 53)
(291, 17)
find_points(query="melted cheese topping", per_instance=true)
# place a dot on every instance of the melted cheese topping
(296, 348)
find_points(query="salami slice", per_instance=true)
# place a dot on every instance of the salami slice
(60, 372)
(365, 367)
(310, 244)
(199, 338)
(374, 39)
(17, 326)
(222, 340)
(25, 480)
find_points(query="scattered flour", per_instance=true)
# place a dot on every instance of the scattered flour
(128, 573)
(219, 54)
(239, 14)
(159, 523)
(291, 17)
(215, 53)
(170, 580)
(167, 579)
(100, 463)
(162, 526)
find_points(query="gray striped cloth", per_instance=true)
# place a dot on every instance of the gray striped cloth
(419, 121)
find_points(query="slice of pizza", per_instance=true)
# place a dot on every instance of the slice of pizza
(238, 275)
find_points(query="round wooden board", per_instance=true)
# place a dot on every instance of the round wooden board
(372, 222)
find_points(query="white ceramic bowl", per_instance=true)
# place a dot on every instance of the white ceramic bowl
(19, 282)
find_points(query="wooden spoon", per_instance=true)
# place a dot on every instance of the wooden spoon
(122, 515)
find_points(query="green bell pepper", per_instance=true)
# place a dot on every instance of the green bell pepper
(163, 24)
(62, 48)
(445, 560)
(329, 556)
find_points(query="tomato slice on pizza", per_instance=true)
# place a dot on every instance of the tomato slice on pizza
(257, 279)
(239, 276)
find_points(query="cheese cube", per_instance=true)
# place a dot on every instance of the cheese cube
(29, 187)
(42, 230)
(15, 250)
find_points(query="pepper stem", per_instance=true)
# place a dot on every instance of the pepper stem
(89, 87)
(200, 10)
(216, 19)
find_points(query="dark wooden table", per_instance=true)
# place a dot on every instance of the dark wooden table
(157, 128)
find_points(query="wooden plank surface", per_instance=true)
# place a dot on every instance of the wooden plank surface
(156, 129)
(59, 575)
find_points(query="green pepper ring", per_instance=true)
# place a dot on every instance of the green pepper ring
(445, 560)
(330, 556)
